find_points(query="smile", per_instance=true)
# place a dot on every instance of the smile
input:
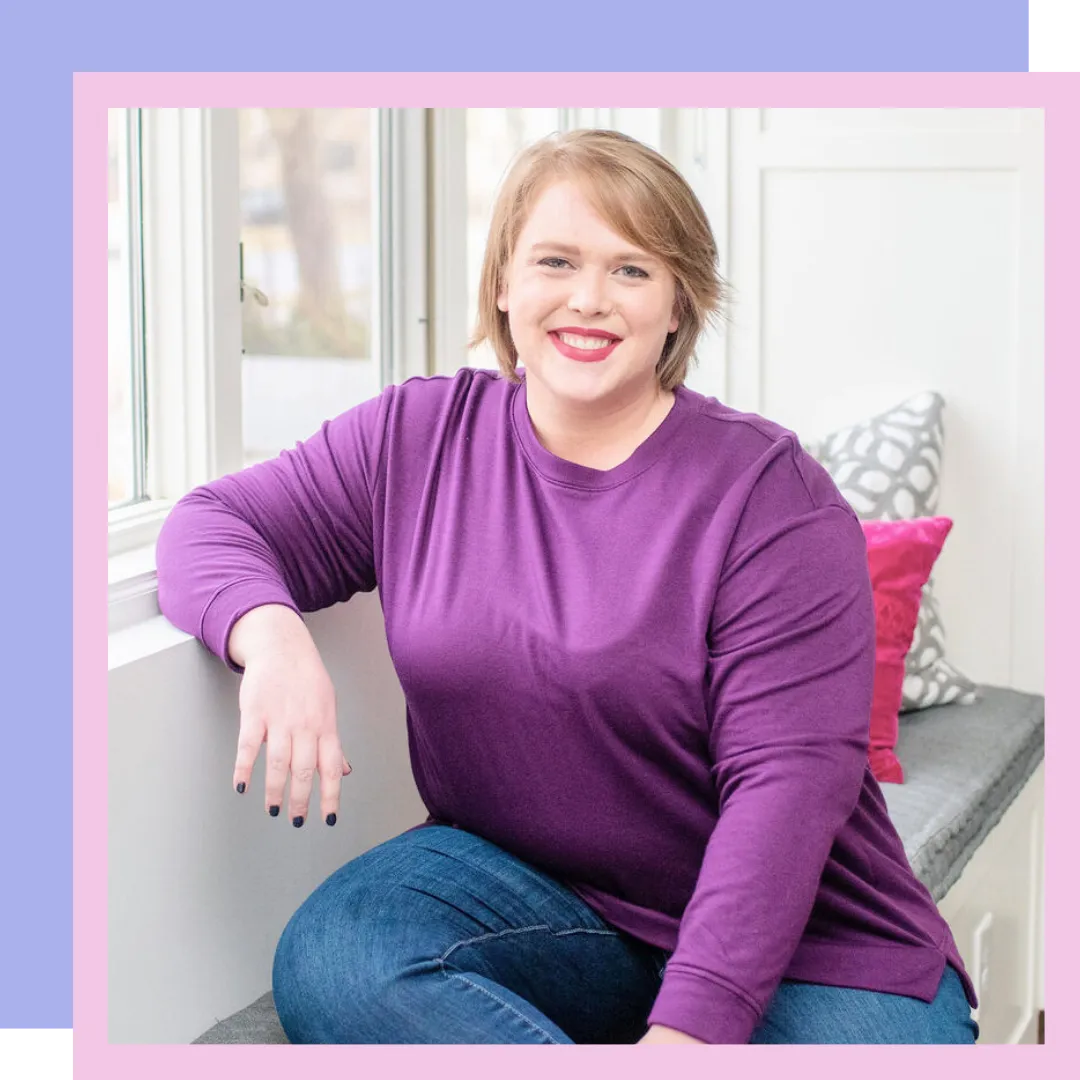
(581, 342)
(588, 347)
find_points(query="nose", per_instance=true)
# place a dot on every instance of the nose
(588, 295)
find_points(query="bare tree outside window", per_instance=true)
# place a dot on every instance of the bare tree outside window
(306, 230)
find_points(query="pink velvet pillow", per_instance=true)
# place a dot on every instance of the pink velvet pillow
(901, 555)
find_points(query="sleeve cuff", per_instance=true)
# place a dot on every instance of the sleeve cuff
(228, 605)
(703, 1008)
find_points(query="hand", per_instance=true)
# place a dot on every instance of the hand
(287, 701)
(660, 1034)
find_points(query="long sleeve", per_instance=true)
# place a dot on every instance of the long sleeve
(789, 681)
(297, 530)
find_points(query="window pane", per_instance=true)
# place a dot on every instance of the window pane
(306, 229)
(123, 354)
(492, 138)
(642, 124)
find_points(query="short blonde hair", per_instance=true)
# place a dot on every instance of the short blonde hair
(644, 198)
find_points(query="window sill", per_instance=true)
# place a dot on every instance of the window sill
(137, 629)
(132, 588)
(133, 533)
(133, 528)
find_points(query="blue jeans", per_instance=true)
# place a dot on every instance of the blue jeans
(439, 936)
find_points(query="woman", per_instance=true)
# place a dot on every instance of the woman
(635, 634)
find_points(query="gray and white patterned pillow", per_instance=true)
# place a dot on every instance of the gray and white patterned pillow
(888, 468)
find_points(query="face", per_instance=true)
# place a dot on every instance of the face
(589, 312)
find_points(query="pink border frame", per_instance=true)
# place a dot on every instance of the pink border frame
(1057, 94)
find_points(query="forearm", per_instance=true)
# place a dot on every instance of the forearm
(755, 893)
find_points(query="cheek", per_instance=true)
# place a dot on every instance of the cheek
(522, 319)
(527, 304)
(653, 319)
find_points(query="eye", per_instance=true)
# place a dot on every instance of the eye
(551, 260)
(635, 272)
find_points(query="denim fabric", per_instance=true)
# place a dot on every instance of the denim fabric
(439, 936)
(809, 1013)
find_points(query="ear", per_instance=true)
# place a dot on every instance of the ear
(502, 301)
(676, 307)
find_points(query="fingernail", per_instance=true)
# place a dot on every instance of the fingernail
(298, 821)
(274, 811)
(241, 787)
(331, 819)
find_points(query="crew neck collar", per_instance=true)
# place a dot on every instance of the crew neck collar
(570, 473)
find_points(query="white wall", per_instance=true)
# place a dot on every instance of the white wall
(202, 880)
(875, 253)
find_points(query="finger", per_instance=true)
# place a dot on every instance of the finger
(331, 763)
(252, 736)
(278, 754)
(348, 767)
(305, 753)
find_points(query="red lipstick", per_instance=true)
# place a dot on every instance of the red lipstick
(586, 356)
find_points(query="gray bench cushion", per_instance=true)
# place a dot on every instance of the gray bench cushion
(963, 766)
(258, 1023)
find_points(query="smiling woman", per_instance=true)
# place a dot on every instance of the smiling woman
(617, 190)
(635, 633)
(588, 328)
(586, 316)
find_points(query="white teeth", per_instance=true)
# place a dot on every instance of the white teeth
(577, 342)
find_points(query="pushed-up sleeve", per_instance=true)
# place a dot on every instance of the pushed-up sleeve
(789, 682)
(297, 530)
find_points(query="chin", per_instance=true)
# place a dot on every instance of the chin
(584, 385)
(581, 383)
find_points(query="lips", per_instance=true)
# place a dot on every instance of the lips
(584, 354)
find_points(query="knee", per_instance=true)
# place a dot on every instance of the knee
(301, 980)
(336, 979)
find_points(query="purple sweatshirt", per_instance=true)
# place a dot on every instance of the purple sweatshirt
(652, 682)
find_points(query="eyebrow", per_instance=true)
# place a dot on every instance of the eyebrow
(570, 249)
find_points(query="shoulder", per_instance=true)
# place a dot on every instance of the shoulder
(426, 400)
(435, 391)
(761, 457)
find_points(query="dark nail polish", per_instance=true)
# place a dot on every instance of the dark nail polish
(274, 811)
(298, 821)
(241, 787)
(331, 819)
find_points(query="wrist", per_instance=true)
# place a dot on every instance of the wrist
(263, 631)
(657, 1033)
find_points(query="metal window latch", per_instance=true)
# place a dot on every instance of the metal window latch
(259, 296)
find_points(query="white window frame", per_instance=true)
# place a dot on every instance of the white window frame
(191, 244)
(696, 141)
(449, 287)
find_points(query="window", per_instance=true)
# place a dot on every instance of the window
(308, 258)
(127, 399)
(322, 214)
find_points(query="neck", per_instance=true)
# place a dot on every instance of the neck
(600, 436)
